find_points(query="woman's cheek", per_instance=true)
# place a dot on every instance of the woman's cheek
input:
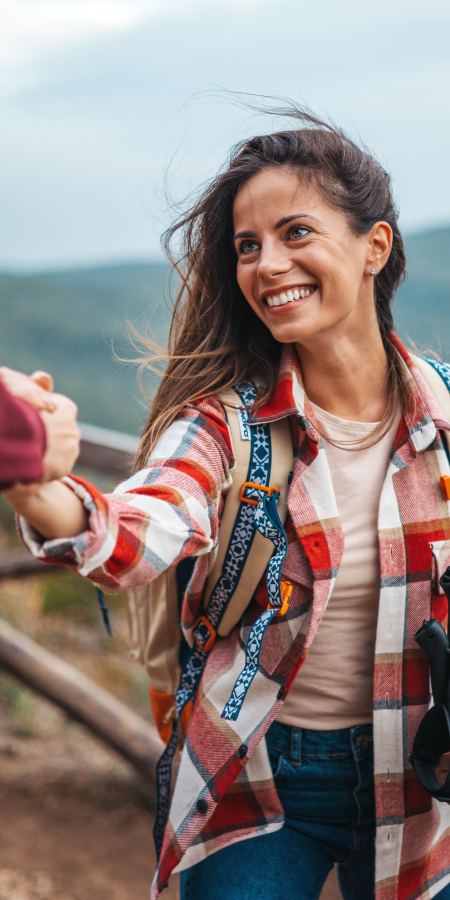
(243, 280)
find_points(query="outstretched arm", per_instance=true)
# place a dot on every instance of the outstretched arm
(166, 512)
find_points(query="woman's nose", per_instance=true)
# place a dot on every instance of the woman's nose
(272, 260)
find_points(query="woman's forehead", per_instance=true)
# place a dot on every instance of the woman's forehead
(274, 193)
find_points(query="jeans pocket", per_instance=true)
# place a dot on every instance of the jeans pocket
(277, 762)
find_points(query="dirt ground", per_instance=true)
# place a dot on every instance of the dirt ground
(76, 823)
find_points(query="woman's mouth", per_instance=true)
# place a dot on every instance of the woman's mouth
(289, 296)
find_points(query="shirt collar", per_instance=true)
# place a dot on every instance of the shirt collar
(422, 414)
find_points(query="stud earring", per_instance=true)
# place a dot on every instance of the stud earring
(373, 271)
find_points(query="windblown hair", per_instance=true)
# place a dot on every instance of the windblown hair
(216, 339)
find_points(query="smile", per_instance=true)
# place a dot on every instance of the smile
(289, 296)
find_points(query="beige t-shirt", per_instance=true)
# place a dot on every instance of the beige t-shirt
(334, 687)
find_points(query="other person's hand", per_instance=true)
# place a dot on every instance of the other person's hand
(35, 389)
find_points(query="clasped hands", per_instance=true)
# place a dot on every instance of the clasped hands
(59, 415)
(49, 505)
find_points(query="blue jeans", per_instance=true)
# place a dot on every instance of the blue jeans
(325, 783)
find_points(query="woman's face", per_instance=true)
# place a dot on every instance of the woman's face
(299, 266)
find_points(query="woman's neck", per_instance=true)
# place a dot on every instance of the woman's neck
(347, 378)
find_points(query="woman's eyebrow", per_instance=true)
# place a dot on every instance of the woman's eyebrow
(244, 234)
(284, 221)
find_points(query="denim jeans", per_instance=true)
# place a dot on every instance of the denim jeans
(325, 783)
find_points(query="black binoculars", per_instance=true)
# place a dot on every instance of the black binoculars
(433, 735)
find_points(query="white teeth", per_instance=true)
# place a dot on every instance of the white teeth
(288, 296)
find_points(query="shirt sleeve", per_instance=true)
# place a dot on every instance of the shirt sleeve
(22, 440)
(164, 513)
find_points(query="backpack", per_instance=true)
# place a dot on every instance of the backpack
(153, 610)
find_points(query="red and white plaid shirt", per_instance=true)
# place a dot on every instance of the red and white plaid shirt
(170, 510)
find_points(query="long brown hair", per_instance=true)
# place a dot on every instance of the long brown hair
(216, 339)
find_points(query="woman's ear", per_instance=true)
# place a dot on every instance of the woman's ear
(379, 247)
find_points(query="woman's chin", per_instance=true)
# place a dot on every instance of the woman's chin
(292, 332)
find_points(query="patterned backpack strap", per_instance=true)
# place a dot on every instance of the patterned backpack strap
(269, 524)
(437, 377)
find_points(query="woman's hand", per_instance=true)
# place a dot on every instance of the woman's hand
(35, 389)
(58, 413)
(50, 507)
(442, 768)
(63, 438)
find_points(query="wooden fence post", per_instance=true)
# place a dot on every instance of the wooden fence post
(106, 716)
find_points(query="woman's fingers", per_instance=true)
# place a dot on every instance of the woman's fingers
(28, 389)
(44, 379)
(442, 768)
(63, 439)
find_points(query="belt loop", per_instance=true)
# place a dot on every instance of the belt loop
(296, 745)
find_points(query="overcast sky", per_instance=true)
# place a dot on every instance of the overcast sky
(100, 99)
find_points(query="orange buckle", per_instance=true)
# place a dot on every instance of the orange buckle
(258, 487)
(445, 485)
(285, 591)
(212, 634)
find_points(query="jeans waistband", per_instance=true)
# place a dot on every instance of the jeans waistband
(297, 742)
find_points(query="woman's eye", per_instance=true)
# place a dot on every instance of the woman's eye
(247, 247)
(299, 231)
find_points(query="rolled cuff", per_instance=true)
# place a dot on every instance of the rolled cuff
(86, 551)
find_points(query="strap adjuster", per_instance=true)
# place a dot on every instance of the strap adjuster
(203, 627)
(256, 487)
(445, 485)
(285, 591)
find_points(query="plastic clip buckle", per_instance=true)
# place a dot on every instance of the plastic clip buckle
(257, 487)
(445, 485)
(285, 591)
(212, 634)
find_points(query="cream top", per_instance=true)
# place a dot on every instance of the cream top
(334, 687)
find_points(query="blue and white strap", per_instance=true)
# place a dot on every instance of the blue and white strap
(443, 369)
(269, 524)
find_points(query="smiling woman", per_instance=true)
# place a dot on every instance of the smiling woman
(304, 210)
(304, 712)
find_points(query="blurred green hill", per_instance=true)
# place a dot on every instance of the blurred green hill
(422, 305)
(72, 322)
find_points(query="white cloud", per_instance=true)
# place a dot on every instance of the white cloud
(30, 28)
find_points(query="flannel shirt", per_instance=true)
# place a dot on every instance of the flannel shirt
(171, 510)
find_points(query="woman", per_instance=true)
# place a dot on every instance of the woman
(292, 257)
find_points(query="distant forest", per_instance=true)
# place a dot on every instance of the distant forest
(76, 323)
